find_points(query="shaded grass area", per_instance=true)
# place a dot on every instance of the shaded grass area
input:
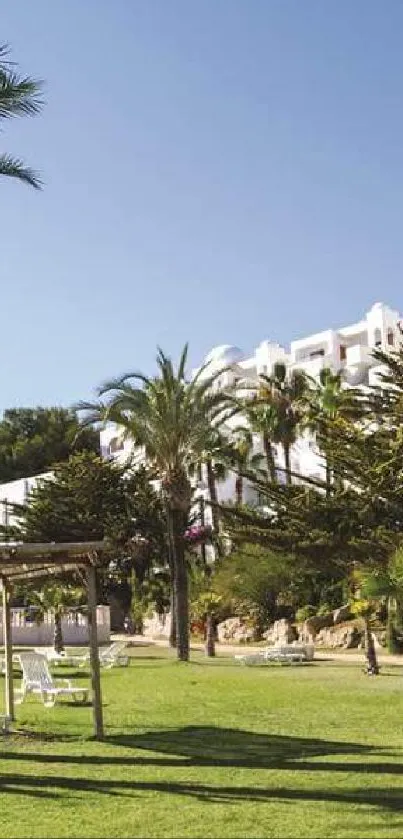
(211, 749)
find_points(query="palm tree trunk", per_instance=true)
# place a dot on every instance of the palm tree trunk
(210, 636)
(370, 652)
(212, 488)
(287, 461)
(179, 521)
(391, 639)
(271, 466)
(58, 633)
(172, 631)
(239, 490)
(328, 479)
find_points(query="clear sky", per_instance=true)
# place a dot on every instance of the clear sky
(218, 171)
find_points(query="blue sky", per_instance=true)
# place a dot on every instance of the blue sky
(218, 171)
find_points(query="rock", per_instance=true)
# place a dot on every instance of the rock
(347, 636)
(310, 628)
(234, 629)
(282, 632)
(342, 614)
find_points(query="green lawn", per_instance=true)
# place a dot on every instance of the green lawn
(212, 749)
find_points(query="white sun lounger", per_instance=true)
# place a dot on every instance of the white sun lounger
(111, 656)
(284, 654)
(36, 678)
(55, 658)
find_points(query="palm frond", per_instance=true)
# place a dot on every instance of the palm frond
(19, 95)
(12, 167)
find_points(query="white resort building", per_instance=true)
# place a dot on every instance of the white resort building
(348, 349)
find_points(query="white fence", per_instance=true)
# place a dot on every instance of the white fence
(26, 632)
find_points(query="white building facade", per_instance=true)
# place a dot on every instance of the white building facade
(348, 349)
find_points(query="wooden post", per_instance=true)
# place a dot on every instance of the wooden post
(8, 651)
(94, 657)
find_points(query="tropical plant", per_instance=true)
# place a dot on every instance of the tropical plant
(19, 96)
(57, 598)
(386, 584)
(285, 396)
(239, 455)
(260, 411)
(171, 418)
(329, 401)
(249, 581)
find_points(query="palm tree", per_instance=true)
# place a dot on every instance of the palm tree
(216, 466)
(286, 395)
(386, 584)
(19, 96)
(238, 454)
(261, 414)
(329, 402)
(57, 598)
(172, 419)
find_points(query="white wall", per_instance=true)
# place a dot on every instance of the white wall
(74, 626)
(15, 492)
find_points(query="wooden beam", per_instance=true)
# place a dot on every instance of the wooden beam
(34, 573)
(8, 649)
(21, 549)
(94, 657)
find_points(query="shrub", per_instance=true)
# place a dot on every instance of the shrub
(304, 613)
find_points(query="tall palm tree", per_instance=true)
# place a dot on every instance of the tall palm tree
(240, 457)
(19, 96)
(172, 419)
(285, 394)
(261, 414)
(328, 401)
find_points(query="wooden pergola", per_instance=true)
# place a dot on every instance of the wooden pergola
(19, 561)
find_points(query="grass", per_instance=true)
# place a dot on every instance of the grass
(212, 749)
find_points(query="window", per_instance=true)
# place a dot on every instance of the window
(391, 338)
(116, 445)
(316, 353)
(377, 338)
(343, 352)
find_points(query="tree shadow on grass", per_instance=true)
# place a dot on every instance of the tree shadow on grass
(390, 800)
(216, 746)
(212, 746)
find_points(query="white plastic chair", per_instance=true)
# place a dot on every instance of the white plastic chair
(55, 658)
(36, 678)
(111, 656)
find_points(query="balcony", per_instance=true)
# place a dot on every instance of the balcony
(312, 366)
(359, 356)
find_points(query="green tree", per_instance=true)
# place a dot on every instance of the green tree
(386, 584)
(281, 404)
(89, 498)
(239, 455)
(171, 418)
(261, 413)
(33, 440)
(249, 581)
(19, 96)
(328, 402)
